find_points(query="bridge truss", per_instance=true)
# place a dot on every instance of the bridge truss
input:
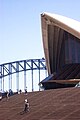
(8, 69)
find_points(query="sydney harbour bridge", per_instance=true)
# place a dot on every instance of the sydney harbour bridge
(8, 70)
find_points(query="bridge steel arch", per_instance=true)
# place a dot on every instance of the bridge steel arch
(8, 69)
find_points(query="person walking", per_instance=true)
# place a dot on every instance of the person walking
(26, 91)
(7, 95)
(26, 109)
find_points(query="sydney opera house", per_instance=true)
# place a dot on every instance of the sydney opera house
(61, 43)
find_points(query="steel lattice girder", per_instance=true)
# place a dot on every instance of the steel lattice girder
(22, 65)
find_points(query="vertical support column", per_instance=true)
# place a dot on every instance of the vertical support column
(24, 74)
(46, 73)
(9, 81)
(3, 77)
(32, 73)
(1, 83)
(10, 76)
(39, 72)
(17, 75)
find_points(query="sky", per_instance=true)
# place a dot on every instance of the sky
(20, 26)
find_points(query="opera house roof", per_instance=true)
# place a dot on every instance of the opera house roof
(66, 23)
(53, 29)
